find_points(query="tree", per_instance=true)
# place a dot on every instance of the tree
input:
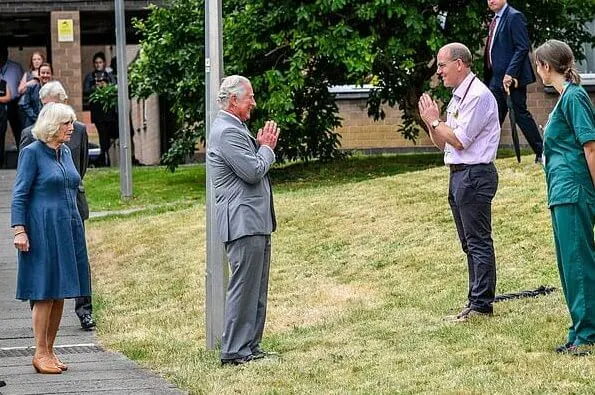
(404, 61)
(293, 51)
(171, 63)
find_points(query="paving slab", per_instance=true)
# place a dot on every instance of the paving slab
(92, 369)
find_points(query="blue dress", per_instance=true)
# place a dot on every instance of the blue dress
(44, 202)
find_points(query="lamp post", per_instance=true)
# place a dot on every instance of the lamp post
(123, 104)
(216, 271)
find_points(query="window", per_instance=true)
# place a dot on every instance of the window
(587, 66)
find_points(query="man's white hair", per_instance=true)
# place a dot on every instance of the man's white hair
(51, 117)
(53, 90)
(234, 85)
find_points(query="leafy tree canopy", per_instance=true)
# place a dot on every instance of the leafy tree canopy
(294, 50)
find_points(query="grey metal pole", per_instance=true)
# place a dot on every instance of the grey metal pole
(123, 104)
(216, 271)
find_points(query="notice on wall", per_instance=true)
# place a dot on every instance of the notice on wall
(65, 31)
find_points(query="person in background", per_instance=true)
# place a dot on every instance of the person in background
(469, 139)
(53, 92)
(10, 75)
(30, 103)
(105, 121)
(114, 70)
(507, 64)
(569, 150)
(31, 77)
(48, 231)
(239, 166)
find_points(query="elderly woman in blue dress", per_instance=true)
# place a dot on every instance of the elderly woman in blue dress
(569, 152)
(48, 230)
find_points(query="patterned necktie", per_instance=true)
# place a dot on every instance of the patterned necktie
(491, 30)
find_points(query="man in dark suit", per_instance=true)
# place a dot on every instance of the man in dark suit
(53, 92)
(507, 64)
(238, 165)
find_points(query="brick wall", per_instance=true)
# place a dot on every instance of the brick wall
(66, 58)
(361, 132)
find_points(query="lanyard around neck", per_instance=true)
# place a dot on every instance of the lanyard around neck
(466, 91)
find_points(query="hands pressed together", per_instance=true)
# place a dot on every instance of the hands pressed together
(428, 109)
(268, 134)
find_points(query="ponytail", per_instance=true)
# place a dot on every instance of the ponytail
(572, 75)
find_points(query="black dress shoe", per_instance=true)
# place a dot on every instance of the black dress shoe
(2, 383)
(87, 322)
(571, 349)
(237, 361)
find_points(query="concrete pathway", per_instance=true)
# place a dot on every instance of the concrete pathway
(92, 370)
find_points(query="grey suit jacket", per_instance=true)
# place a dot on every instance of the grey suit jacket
(79, 147)
(239, 172)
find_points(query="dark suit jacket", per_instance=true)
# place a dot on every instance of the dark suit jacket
(79, 147)
(510, 51)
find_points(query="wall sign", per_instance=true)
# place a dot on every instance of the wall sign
(65, 30)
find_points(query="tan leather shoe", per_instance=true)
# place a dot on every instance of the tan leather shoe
(59, 363)
(45, 365)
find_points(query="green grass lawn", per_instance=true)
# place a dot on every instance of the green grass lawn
(366, 263)
(155, 186)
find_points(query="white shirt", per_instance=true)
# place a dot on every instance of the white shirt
(498, 17)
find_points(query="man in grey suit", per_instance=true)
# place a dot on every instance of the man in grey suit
(53, 92)
(238, 164)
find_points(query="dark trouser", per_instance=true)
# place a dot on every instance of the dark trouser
(246, 302)
(523, 117)
(3, 127)
(470, 195)
(9, 114)
(105, 132)
(83, 306)
(575, 251)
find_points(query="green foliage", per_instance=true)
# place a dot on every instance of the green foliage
(171, 64)
(106, 95)
(404, 60)
(294, 51)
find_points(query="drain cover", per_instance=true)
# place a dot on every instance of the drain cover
(67, 349)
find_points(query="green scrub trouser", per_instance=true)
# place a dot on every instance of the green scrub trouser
(575, 251)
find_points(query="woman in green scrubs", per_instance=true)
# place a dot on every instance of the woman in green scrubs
(569, 155)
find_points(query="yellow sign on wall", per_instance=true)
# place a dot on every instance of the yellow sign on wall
(65, 30)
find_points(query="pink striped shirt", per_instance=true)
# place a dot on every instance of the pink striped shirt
(473, 114)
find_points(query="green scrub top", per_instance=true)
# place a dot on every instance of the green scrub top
(571, 124)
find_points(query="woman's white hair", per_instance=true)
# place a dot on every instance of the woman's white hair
(51, 117)
(234, 85)
(53, 90)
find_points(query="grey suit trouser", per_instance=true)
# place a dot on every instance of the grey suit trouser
(246, 302)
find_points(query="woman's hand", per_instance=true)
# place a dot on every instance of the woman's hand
(21, 242)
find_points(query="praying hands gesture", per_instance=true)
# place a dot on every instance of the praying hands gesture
(268, 134)
(428, 110)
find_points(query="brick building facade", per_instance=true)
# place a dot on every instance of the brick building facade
(360, 132)
(32, 25)
(29, 25)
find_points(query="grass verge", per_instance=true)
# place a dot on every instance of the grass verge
(363, 272)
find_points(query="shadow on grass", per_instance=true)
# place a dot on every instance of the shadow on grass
(353, 169)
(357, 168)
(154, 186)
